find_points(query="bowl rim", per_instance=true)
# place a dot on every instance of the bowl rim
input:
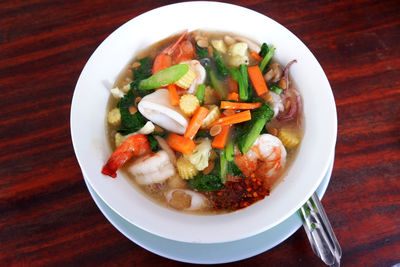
(74, 117)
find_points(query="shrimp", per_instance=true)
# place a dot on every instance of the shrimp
(153, 168)
(181, 50)
(135, 145)
(264, 160)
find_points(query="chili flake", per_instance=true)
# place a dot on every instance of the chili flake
(239, 193)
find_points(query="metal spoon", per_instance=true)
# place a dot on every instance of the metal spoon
(319, 231)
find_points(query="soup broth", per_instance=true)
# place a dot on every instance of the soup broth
(213, 136)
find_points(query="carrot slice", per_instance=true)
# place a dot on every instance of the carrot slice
(257, 80)
(180, 143)
(173, 94)
(221, 138)
(233, 96)
(233, 119)
(195, 122)
(238, 105)
(256, 56)
(233, 86)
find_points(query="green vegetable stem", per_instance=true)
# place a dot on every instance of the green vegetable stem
(229, 151)
(223, 164)
(201, 89)
(264, 50)
(276, 89)
(259, 118)
(221, 66)
(243, 72)
(216, 83)
(234, 170)
(267, 58)
(243, 89)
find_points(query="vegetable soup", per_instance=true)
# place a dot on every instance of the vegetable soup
(204, 122)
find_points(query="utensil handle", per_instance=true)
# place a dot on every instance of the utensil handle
(319, 231)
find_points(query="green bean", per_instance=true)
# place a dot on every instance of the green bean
(164, 77)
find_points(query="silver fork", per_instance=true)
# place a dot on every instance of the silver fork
(319, 231)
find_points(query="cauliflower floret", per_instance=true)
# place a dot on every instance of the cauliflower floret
(238, 53)
(125, 89)
(148, 128)
(219, 45)
(117, 93)
(200, 155)
(238, 49)
(119, 139)
(238, 60)
(114, 117)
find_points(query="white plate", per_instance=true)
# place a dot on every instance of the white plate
(207, 253)
(92, 149)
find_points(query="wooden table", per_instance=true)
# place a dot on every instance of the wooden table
(47, 216)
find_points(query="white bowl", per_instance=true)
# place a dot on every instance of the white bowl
(88, 112)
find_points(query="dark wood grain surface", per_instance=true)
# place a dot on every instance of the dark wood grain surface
(47, 216)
